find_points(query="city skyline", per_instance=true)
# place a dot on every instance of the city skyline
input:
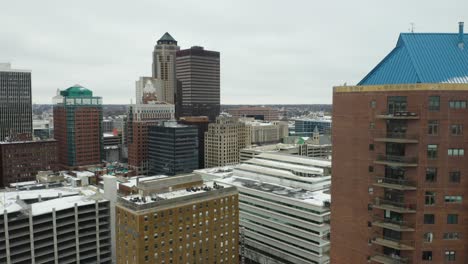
(303, 54)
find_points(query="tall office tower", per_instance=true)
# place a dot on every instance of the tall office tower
(15, 104)
(164, 66)
(201, 122)
(21, 161)
(224, 140)
(284, 207)
(199, 75)
(77, 127)
(399, 182)
(55, 225)
(178, 219)
(172, 148)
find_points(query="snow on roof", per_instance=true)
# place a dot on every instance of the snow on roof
(312, 197)
(59, 198)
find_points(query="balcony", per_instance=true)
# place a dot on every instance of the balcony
(396, 184)
(393, 224)
(394, 243)
(395, 206)
(398, 115)
(388, 259)
(396, 137)
(396, 161)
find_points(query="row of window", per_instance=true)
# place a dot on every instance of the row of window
(433, 128)
(449, 255)
(430, 198)
(429, 219)
(399, 103)
(454, 152)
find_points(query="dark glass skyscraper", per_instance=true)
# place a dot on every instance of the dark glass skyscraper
(172, 149)
(15, 104)
(198, 90)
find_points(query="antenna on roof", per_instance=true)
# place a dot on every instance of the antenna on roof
(411, 29)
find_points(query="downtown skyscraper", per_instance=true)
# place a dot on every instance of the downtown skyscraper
(198, 89)
(15, 104)
(164, 66)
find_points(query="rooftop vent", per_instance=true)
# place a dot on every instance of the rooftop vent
(461, 44)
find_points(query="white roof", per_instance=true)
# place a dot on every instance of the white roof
(59, 198)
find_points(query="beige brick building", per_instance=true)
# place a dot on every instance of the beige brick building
(178, 219)
(224, 140)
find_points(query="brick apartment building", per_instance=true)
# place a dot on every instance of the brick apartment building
(399, 183)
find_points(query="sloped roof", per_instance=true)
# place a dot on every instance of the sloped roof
(423, 58)
(167, 39)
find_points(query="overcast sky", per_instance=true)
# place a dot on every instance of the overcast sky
(273, 51)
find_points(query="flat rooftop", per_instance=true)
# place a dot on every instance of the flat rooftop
(316, 198)
(59, 198)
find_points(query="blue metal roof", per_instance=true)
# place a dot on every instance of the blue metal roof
(423, 58)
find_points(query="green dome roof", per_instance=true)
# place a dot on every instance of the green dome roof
(77, 91)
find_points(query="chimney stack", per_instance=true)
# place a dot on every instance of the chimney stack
(461, 43)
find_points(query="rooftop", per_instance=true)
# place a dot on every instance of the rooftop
(316, 198)
(58, 198)
(423, 58)
(167, 39)
(76, 91)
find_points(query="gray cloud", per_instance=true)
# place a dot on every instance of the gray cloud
(271, 51)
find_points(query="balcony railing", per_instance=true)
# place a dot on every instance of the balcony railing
(396, 206)
(390, 259)
(392, 183)
(397, 137)
(393, 224)
(396, 160)
(393, 243)
(399, 115)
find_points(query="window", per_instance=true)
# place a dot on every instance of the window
(457, 104)
(371, 125)
(428, 237)
(396, 104)
(430, 198)
(452, 219)
(373, 104)
(433, 127)
(454, 176)
(371, 169)
(427, 255)
(429, 219)
(451, 236)
(453, 199)
(456, 130)
(371, 147)
(450, 255)
(456, 152)
(434, 103)
(431, 151)
(431, 174)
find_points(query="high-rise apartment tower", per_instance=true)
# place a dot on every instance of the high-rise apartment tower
(399, 184)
